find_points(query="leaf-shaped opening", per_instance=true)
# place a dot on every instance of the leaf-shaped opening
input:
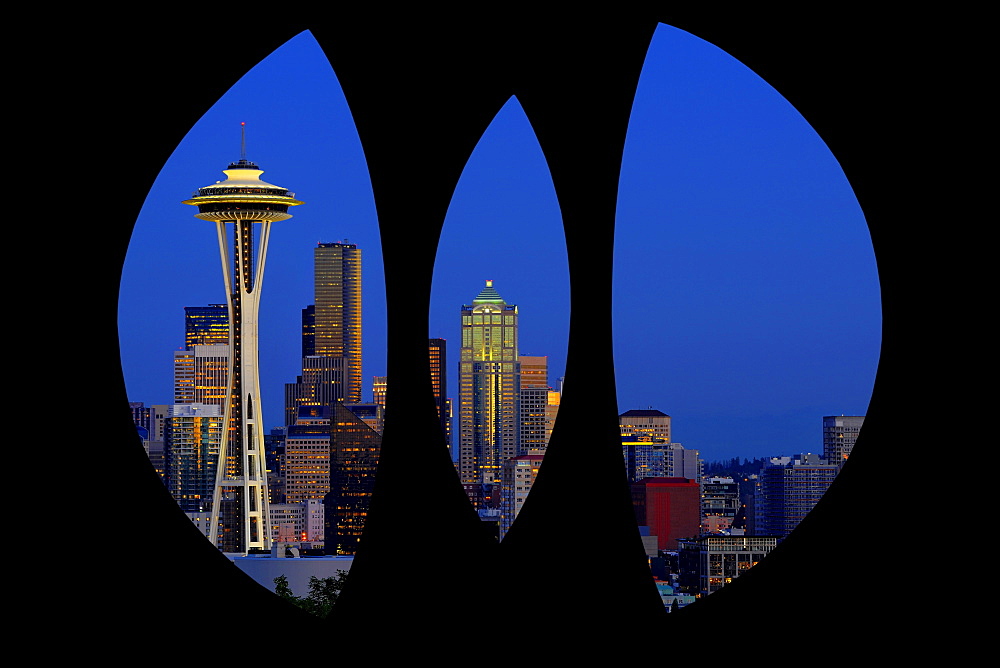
(309, 145)
(501, 298)
(746, 309)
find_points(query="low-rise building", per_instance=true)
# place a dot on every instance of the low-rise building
(708, 563)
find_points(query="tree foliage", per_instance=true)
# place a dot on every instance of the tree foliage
(323, 593)
(733, 467)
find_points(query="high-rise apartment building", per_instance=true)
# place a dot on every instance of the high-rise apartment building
(720, 502)
(242, 208)
(193, 438)
(643, 459)
(201, 383)
(201, 380)
(673, 460)
(637, 455)
(201, 375)
(647, 449)
(787, 489)
(489, 392)
(539, 405)
(538, 409)
(519, 475)
(839, 434)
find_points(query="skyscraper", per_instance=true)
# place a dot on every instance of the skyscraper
(331, 332)
(648, 451)
(321, 384)
(437, 349)
(645, 424)
(355, 443)
(201, 370)
(539, 405)
(193, 436)
(309, 330)
(337, 281)
(489, 392)
(192, 431)
(242, 208)
(206, 325)
(201, 375)
(307, 455)
(534, 371)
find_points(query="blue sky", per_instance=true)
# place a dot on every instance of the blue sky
(746, 292)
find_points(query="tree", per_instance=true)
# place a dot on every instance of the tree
(282, 589)
(323, 593)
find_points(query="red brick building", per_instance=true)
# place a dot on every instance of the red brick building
(670, 507)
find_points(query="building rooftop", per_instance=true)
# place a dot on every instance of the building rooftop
(489, 295)
(667, 481)
(650, 412)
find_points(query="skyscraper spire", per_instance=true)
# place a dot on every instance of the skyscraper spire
(489, 295)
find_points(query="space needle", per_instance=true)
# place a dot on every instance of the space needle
(242, 208)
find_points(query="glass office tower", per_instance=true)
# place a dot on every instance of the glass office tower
(489, 394)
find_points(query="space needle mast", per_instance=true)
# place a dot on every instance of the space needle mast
(242, 208)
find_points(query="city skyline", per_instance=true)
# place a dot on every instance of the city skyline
(697, 365)
(855, 78)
